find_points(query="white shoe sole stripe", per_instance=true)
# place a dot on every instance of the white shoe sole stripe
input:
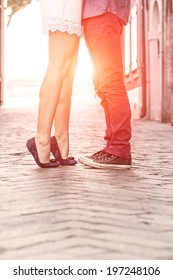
(91, 163)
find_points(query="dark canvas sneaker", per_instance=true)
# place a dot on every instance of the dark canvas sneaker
(98, 154)
(106, 161)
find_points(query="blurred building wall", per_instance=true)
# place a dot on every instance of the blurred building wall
(1, 52)
(149, 58)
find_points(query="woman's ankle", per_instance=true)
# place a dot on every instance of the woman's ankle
(43, 140)
(63, 144)
(43, 148)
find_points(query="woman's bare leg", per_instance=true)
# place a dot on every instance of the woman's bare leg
(62, 115)
(61, 48)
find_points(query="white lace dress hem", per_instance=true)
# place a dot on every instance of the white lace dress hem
(62, 25)
(62, 15)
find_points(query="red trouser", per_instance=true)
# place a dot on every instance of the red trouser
(102, 35)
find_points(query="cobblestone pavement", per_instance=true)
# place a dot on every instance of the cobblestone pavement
(79, 212)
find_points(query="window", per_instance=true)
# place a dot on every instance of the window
(131, 43)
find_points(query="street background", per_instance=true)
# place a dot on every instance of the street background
(78, 212)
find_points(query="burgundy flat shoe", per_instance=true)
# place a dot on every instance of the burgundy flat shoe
(57, 155)
(31, 146)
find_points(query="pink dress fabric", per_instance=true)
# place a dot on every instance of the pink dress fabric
(62, 15)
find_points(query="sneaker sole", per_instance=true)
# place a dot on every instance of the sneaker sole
(91, 163)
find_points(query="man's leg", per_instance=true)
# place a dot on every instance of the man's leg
(95, 78)
(103, 34)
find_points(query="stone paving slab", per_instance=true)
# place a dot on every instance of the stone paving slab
(80, 212)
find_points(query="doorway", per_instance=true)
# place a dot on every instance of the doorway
(155, 62)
